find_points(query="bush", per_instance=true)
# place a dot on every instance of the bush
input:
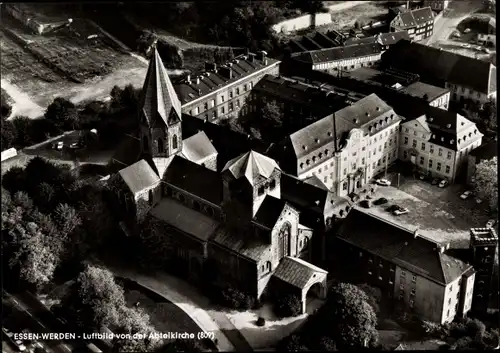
(261, 321)
(476, 329)
(287, 306)
(236, 299)
(292, 343)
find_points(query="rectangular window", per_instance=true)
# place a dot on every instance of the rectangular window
(237, 103)
(197, 111)
(438, 167)
(385, 144)
(412, 303)
(205, 105)
(230, 106)
(191, 112)
(230, 94)
(440, 152)
(430, 163)
(406, 130)
(373, 167)
(237, 91)
(245, 87)
(363, 161)
(421, 160)
(380, 148)
(405, 155)
(222, 99)
(212, 103)
(431, 149)
(423, 146)
(345, 171)
(449, 155)
(414, 279)
(344, 186)
(403, 273)
(414, 143)
(363, 148)
(222, 110)
(402, 286)
(447, 169)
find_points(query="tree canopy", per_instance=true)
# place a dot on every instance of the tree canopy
(486, 181)
(63, 113)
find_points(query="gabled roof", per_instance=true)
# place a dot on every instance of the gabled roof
(251, 247)
(269, 211)
(437, 66)
(185, 219)
(485, 151)
(139, 177)
(195, 179)
(210, 81)
(392, 37)
(251, 165)
(297, 272)
(315, 181)
(415, 17)
(338, 53)
(400, 246)
(159, 100)
(198, 147)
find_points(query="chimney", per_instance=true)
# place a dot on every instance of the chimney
(262, 56)
(197, 80)
(188, 79)
(210, 66)
(227, 72)
(415, 233)
(251, 57)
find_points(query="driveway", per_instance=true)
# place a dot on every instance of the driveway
(448, 21)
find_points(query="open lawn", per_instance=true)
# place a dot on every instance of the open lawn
(363, 14)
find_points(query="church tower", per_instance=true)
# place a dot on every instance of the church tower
(483, 245)
(159, 116)
(247, 180)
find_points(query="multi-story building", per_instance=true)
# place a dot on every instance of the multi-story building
(420, 274)
(346, 149)
(405, 83)
(437, 5)
(221, 91)
(384, 39)
(483, 244)
(489, 37)
(445, 69)
(418, 23)
(338, 59)
(484, 152)
(438, 143)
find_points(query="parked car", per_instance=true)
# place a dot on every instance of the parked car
(491, 223)
(443, 183)
(400, 210)
(380, 201)
(456, 34)
(466, 195)
(383, 182)
(392, 208)
(421, 176)
(479, 201)
(75, 145)
(364, 203)
(435, 181)
(58, 145)
(467, 30)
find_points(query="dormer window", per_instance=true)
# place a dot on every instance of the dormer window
(261, 190)
(459, 140)
(308, 162)
(304, 148)
(442, 139)
(272, 184)
(317, 140)
(301, 165)
(314, 159)
(370, 129)
(327, 152)
(320, 155)
(465, 138)
(470, 134)
(452, 142)
(475, 131)
(433, 136)
(329, 133)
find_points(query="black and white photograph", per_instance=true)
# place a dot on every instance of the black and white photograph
(249, 176)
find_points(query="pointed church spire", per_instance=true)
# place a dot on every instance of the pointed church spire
(159, 100)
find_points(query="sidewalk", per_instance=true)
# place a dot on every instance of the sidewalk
(192, 303)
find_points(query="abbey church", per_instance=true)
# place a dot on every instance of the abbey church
(242, 216)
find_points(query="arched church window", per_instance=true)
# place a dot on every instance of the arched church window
(174, 142)
(150, 197)
(182, 198)
(284, 240)
(196, 206)
(268, 265)
(160, 145)
(306, 243)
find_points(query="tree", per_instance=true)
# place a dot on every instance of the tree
(95, 299)
(125, 99)
(351, 319)
(288, 305)
(269, 118)
(9, 134)
(374, 295)
(14, 180)
(22, 125)
(486, 181)
(488, 115)
(6, 108)
(63, 113)
(292, 344)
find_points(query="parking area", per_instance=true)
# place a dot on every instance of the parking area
(438, 212)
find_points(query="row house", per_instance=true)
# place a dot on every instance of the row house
(438, 143)
(420, 275)
(338, 59)
(445, 69)
(418, 23)
(346, 149)
(221, 91)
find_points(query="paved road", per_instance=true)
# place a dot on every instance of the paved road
(345, 5)
(448, 22)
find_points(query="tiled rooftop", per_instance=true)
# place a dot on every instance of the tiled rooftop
(338, 53)
(297, 272)
(139, 176)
